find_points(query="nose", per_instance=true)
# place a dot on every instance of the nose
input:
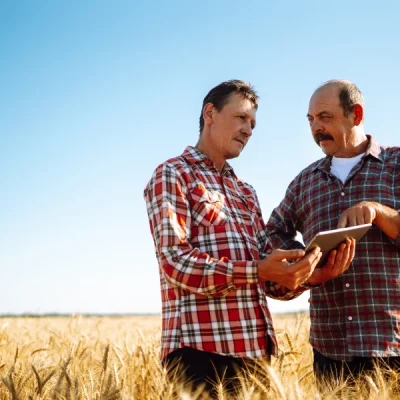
(316, 126)
(247, 129)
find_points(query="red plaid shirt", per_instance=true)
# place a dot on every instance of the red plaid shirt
(209, 236)
(358, 313)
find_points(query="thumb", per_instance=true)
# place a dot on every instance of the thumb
(288, 254)
(342, 221)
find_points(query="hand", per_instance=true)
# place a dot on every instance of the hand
(362, 213)
(338, 262)
(277, 269)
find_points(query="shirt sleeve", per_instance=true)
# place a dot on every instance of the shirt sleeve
(263, 243)
(282, 228)
(396, 182)
(185, 266)
(284, 223)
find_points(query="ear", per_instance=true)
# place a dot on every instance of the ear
(208, 113)
(358, 114)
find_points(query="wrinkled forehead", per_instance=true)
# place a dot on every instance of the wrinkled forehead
(324, 99)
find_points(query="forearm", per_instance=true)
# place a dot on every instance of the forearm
(282, 225)
(388, 220)
(197, 272)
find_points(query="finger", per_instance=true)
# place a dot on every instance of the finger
(361, 219)
(353, 249)
(342, 221)
(352, 220)
(348, 241)
(350, 255)
(339, 256)
(281, 255)
(310, 261)
(310, 256)
(315, 262)
(330, 260)
(316, 255)
(289, 254)
(305, 267)
(346, 257)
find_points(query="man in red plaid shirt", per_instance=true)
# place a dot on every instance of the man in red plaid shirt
(212, 247)
(355, 318)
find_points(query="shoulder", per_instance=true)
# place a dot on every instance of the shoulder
(164, 172)
(246, 187)
(172, 166)
(308, 172)
(172, 172)
(390, 151)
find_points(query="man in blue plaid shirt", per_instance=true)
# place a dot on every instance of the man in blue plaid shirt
(355, 318)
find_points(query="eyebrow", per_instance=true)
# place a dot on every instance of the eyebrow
(245, 114)
(319, 114)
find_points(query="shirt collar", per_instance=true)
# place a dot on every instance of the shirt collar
(193, 156)
(373, 149)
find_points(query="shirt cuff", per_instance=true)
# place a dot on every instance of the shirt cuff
(307, 285)
(245, 272)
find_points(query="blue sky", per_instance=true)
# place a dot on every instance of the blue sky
(94, 95)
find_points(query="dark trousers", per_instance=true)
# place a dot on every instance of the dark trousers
(194, 368)
(328, 368)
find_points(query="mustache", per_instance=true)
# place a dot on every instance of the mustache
(322, 136)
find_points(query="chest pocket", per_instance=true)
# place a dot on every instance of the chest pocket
(207, 207)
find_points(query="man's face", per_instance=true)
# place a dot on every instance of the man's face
(232, 127)
(331, 129)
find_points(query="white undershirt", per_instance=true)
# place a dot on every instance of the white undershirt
(341, 167)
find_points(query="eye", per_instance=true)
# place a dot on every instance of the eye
(326, 118)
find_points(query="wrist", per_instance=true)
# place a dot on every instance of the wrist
(378, 212)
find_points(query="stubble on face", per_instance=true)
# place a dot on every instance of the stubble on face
(329, 125)
(234, 126)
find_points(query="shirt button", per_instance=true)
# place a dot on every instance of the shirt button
(342, 194)
(349, 318)
(347, 285)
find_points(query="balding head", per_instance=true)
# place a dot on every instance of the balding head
(335, 114)
(348, 92)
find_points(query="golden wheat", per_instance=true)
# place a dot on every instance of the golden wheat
(111, 358)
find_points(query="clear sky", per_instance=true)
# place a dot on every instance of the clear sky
(95, 94)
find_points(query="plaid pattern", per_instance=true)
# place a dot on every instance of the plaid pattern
(358, 313)
(209, 236)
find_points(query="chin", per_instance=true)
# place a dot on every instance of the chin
(327, 151)
(233, 155)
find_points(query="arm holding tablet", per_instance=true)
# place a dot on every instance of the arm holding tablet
(354, 222)
(385, 218)
(338, 261)
(338, 249)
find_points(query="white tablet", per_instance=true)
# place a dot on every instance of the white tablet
(330, 240)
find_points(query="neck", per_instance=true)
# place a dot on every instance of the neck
(211, 153)
(359, 146)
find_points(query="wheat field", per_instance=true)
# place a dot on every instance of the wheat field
(109, 358)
